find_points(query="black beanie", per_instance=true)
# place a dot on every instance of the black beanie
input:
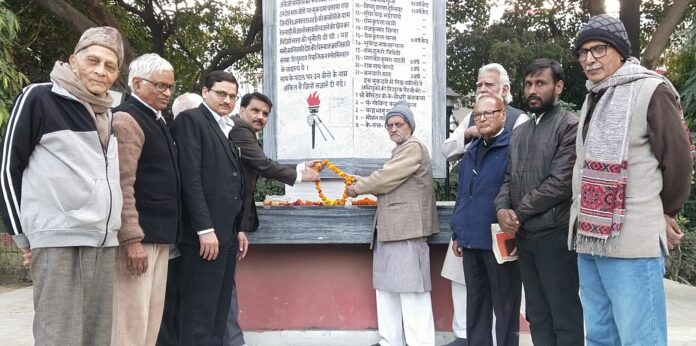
(608, 29)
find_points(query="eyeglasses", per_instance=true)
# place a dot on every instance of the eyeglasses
(597, 51)
(397, 125)
(223, 95)
(161, 87)
(485, 114)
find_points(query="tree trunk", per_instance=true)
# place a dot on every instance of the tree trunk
(661, 37)
(594, 7)
(629, 14)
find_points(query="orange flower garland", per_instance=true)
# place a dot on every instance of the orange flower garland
(349, 180)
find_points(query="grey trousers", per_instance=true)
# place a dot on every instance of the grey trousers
(233, 332)
(73, 297)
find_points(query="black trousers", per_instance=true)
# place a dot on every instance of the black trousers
(550, 277)
(491, 287)
(169, 330)
(205, 296)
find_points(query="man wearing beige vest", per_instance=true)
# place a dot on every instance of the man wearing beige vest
(406, 216)
(630, 180)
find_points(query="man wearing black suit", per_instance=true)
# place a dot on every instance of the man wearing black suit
(253, 117)
(212, 192)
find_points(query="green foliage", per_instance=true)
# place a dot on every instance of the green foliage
(681, 263)
(11, 80)
(526, 32)
(195, 32)
(683, 75)
(266, 187)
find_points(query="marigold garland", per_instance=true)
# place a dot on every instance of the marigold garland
(349, 180)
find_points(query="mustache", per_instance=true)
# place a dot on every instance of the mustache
(592, 67)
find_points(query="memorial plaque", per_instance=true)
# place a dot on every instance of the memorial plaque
(335, 67)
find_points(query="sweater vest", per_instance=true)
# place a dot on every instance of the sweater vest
(157, 185)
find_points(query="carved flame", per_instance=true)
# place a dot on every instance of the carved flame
(313, 100)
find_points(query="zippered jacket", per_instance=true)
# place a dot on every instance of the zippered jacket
(60, 186)
(537, 184)
(474, 212)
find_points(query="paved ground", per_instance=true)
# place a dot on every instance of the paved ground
(16, 313)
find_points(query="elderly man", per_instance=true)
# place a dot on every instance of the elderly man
(491, 286)
(630, 180)
(60, 185)
(253, 117)
(534, 202)
(492, 80)
(185, 102)
(405, 217)
(151, 202)
(212, 192)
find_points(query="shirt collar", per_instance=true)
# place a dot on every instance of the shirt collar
(489, 142)
(158, 114)
(215, 113)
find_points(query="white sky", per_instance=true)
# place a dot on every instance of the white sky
(612, 8)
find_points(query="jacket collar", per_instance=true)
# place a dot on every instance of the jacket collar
(212, 122)
(140, 104)
(547, 115)
(501, 140)
(238, 121)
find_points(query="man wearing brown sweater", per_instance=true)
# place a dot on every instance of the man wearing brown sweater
(151, 202)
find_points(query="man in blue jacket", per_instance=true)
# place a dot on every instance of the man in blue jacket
(490, 286)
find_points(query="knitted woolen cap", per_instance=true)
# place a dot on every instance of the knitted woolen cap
(608, 29)
(402, 109)
(104, 36)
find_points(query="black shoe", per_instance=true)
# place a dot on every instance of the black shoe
(458, 342)
(377, 344)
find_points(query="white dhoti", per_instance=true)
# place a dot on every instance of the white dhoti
(401, 276)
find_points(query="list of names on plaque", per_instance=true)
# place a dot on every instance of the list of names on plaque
(341, 65)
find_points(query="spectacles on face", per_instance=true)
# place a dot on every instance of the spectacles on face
(485, 114)
(597, 52)
(397, 125)
(223, 95)
(161, 87)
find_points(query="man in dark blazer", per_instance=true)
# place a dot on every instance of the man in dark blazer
(253, 117)
(212, 193)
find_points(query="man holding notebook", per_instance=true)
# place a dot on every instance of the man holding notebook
(490, 286)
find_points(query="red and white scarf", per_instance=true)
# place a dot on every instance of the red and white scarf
(605, 169)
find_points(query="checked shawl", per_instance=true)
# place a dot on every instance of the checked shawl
(604, 173)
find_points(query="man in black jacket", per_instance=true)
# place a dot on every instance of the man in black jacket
(151, 202)
(534, 202)
(212, 194)
(253, 116)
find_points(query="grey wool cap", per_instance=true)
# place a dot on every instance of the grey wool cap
(608, 29)
(104, 36)
(402, 109)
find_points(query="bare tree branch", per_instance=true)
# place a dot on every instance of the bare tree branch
(660, 39)
(629, 13)
(188, 53)
(79, 23)
(256, 25)
(67, 14)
